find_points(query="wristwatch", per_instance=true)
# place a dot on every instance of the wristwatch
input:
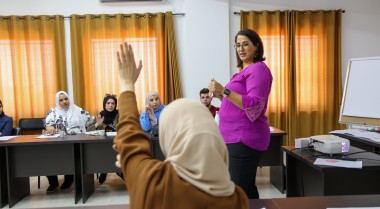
(226, 92)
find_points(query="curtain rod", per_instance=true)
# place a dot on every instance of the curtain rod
(343, 11)
(174, 14)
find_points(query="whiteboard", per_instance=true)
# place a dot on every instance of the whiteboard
(361, 98)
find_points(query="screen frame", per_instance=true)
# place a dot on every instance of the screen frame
(357, 119)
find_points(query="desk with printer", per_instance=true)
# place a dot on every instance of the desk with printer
(359, 108)
(303, 178)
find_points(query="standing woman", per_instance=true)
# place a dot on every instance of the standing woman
(243, 123)
(107, 120)
(6, 122)
(74, 119)
(152, 113)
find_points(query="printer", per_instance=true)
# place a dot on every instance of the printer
(330, 144)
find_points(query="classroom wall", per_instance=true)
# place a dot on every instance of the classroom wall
(205, 34)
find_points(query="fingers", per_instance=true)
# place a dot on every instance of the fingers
(130, 54)
(118, 57)
(117, 163)
(140, 66)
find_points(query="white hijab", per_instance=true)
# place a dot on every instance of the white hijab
(192, 143)
(73, 113)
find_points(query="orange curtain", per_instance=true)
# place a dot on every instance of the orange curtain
(95, 39)
(303, 50)
(32, 64)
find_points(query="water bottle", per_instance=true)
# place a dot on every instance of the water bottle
(60, 128)
(217, 118)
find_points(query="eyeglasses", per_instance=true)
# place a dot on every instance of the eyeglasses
(245, 45)
(110, 95)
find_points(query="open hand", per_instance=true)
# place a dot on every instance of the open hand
(128, 71)
(99, 119)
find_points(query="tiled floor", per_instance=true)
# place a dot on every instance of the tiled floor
(112, 191)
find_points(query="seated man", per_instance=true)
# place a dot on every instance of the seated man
(206, 99)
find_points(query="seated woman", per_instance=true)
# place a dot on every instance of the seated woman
(107, 120)
(195, 172)
(6, 122)
(74, 120)
(153, 109)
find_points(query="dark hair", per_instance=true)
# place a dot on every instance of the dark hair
(204, 91)
(256, 40)
(106, 98)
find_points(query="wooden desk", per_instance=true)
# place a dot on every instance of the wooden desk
(27, 156)
(303, 178)
(273, 157)
(3, 178)
(284, 203)
(326, 202)
(97, 156)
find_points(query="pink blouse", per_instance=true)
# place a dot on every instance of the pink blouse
(250, 125)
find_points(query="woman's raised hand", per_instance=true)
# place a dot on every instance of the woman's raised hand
(128, 71)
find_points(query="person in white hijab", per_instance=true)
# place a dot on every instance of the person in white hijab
(72, 117)
(195, 172)
(69, 117)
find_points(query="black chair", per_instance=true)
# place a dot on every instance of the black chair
(16, 131)
(32, 124)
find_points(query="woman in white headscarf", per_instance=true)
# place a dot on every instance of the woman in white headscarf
(74, 120)
(195, 172)
(72, 117)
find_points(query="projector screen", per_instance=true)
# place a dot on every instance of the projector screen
(361, 98)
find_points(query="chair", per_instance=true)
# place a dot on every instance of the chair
(15, 131)
(32, 124)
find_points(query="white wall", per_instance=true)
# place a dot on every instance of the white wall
(205, 34)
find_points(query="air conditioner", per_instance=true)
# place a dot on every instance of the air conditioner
(130, 1)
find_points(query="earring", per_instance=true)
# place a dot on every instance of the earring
(255, 56)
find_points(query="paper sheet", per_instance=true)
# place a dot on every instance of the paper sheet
(3, 138)
(48, 136)
(111, 133)
(339, 163)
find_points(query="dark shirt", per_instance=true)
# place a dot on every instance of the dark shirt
(213, 110)
(6, 124)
